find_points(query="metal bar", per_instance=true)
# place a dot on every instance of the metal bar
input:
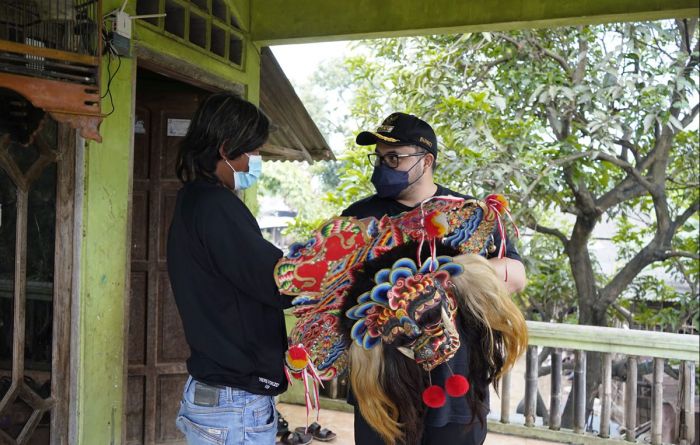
(46, 74)
(631, 399)
(606, 397)
(505, 398)
(65, 37)
(657, 401)
(59, 64)
(21, 48)
(531, 386)
(555, 399)
(580, 392)
(84, 4)
(52, 25)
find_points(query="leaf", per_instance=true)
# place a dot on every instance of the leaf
(648, 122)
(675, 122)
(499, 102)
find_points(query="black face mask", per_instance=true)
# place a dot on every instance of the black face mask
(390, 182)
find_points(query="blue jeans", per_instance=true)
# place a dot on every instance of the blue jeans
(239, 418)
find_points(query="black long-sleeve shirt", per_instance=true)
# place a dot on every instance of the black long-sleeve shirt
(221, 271)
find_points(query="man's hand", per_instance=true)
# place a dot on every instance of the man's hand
(516, 273)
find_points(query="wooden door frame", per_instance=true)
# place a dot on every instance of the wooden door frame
(64, 257)
(178, 71)
(181, 71)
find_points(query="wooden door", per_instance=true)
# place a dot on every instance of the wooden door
(157, 349)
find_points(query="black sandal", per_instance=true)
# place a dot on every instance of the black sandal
(294, 438)
(282, 424)
(318, 432)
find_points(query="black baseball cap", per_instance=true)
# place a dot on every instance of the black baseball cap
(402, 129)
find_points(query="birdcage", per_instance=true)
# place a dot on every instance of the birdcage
(51, 39)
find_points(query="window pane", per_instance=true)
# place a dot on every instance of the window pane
(41, 234)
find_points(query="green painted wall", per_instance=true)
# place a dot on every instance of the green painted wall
(103, 265)
(149, 37)
(99, 359)
(273, 21)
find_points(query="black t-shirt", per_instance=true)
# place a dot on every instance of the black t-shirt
(221, 271)
(456, 409)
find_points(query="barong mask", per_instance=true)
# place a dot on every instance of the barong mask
(412, 309)
(407, 304)
(319, 272)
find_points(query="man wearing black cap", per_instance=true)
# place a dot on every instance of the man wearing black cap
(404, 161)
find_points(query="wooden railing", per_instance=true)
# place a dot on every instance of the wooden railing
(662, 348)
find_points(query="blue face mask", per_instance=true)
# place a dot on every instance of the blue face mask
(390, 182)
(243, 180)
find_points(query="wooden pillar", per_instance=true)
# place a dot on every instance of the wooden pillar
(555, 400)
(606, 398)
(657, 401)
(531, 386)
(631, 399)
(505, 398)
(580, 392)
(687, 402)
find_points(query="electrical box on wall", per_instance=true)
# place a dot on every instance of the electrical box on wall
(120, 45)
(118, 39)
(122, 24)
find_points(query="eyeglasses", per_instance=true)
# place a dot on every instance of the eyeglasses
(391, 160)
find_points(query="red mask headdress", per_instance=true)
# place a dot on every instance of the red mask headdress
(319, 272)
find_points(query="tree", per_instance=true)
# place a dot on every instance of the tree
(592, 122)
(596, 123)
(304, 188)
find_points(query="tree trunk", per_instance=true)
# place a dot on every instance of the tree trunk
(591, 312)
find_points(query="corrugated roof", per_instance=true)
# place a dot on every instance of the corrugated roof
(296, 137)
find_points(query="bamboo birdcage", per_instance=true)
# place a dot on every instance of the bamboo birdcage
(51, 39)
(50, 54)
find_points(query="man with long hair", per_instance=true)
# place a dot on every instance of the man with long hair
(220, 269)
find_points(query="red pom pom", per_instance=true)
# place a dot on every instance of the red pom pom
(436, 224)
(297, 353)
(457, 385)
(434, 396)
(497, 202)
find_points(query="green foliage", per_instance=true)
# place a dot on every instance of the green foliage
(551, 118)
(550, 294)
(302, 187)
(668, 308)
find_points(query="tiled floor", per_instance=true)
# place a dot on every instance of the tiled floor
(342, 424)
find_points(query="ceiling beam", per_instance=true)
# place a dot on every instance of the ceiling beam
(275, 22)
(276, 151)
